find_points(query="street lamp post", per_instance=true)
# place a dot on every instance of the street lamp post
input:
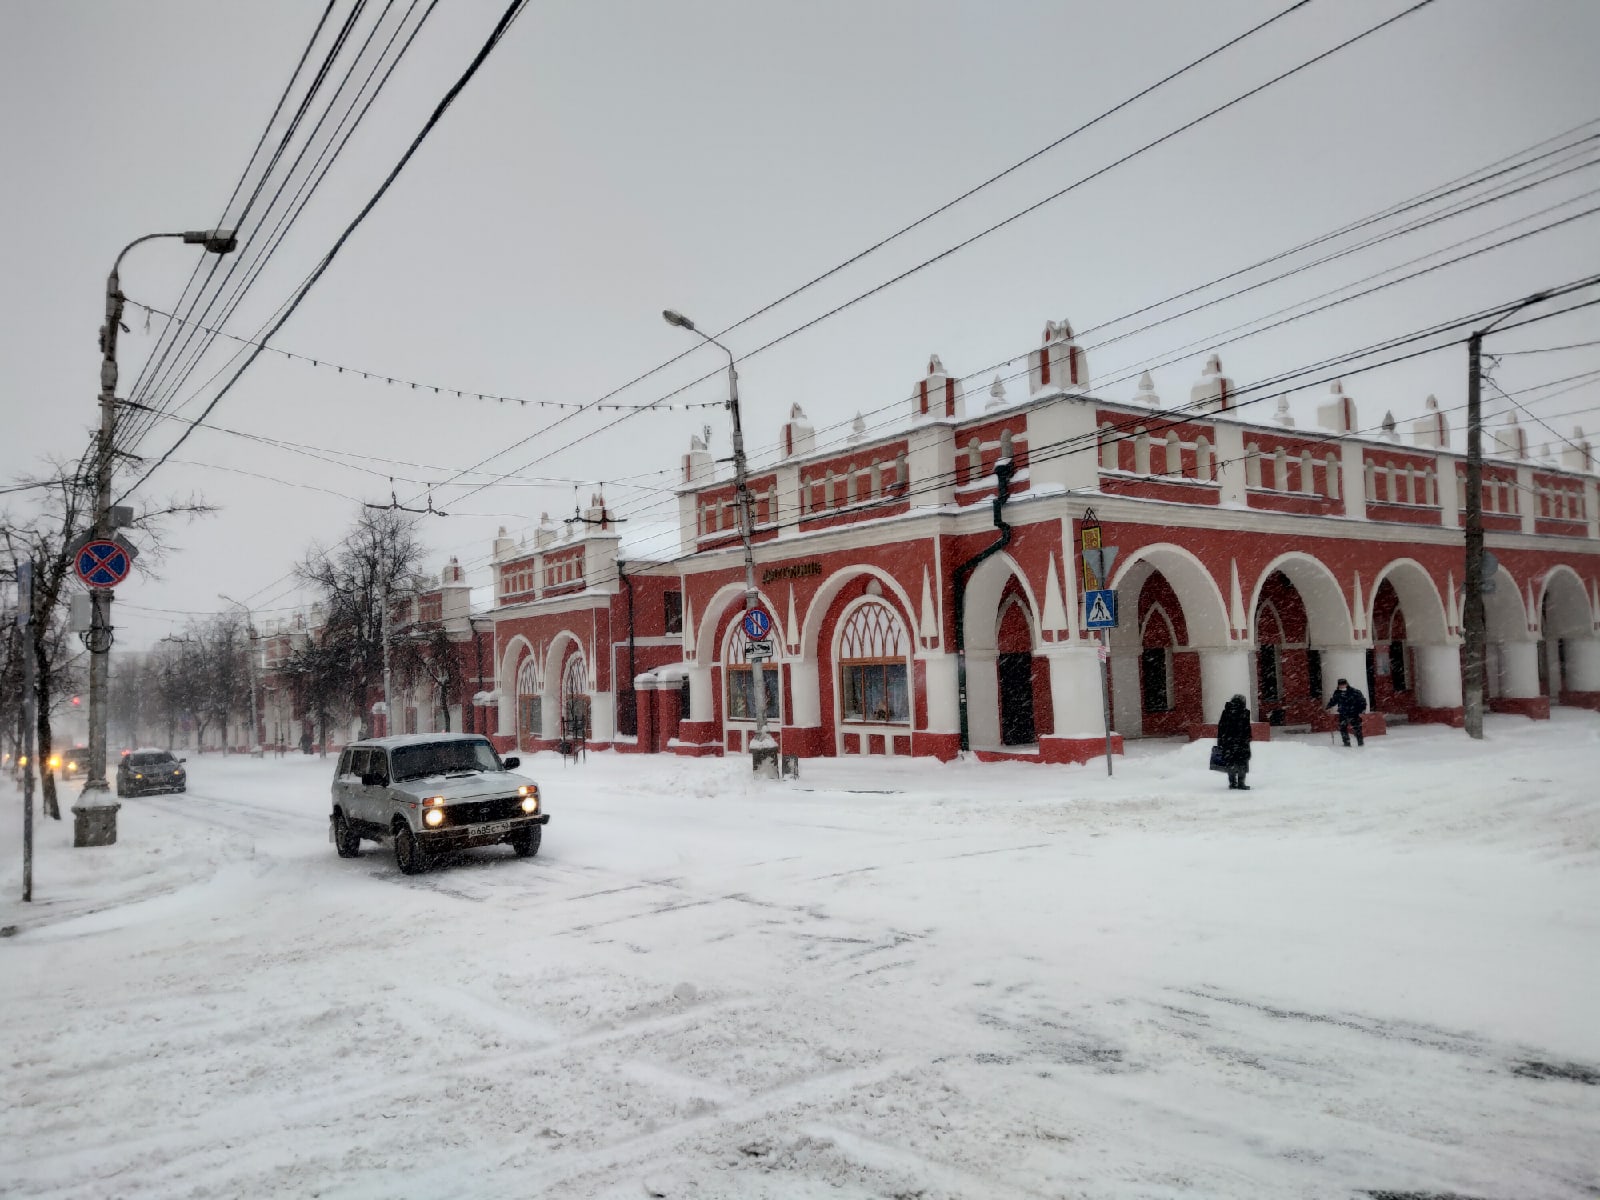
(1474, 632)
(95, 792)
(763, 749)
(250, 633)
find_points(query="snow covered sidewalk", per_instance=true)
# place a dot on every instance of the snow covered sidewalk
(1376, 971)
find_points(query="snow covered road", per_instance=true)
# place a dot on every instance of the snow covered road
(1375, 972)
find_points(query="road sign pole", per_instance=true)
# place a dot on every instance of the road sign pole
(1105, 690)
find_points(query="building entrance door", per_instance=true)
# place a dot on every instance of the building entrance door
(1016, 699)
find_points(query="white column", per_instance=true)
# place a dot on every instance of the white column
(700, 706)
(805, 693)
(602, 716)
(1519, 669)
(983, 700)
(943, 716)
(508, 713)
(1343, 662)
(1439, 676)
(1224, 674)
(1127, 707)
(1583, 664)
(1075, 691)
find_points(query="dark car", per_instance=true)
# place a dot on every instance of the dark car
(148, 772)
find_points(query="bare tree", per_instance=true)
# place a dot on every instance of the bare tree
(373, 565)
(425, 650)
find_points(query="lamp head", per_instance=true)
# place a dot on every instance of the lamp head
(218, 241)
(678, 319)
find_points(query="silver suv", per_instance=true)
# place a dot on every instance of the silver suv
(427, 794)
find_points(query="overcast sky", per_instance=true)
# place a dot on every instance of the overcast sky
(614, 159)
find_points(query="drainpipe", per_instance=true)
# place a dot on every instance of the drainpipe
(1002, 472)
(632, 670)
(477, 646)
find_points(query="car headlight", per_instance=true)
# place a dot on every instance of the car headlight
(136, 775)
(179, 771)
(530, 804)
(435, 816)
(72, 766)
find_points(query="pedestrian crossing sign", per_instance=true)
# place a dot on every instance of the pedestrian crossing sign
(1100, 609)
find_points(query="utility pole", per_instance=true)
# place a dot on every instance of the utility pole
(388, 710)
(254, 745)
(29, 700)
(96, 792)
(1474, 632)
(763, 749)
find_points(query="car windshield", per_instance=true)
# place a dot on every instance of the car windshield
(150, 758)
(443, 758)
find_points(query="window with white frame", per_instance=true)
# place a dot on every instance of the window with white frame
(739, 679)
(873, 683)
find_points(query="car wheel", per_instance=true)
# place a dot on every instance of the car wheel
(408, 854)
(526, 841)
(345, 840)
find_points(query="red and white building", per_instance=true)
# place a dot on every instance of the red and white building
(1252, 558)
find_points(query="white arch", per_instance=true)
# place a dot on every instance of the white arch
(706, 642)
(984, 590)
(811, 626)
(907, 631)
(510, 661)
(1015, 601)
(1419, 600)
(1505, 616)
(1327, 612)
(1563, 591)
(1204, 613)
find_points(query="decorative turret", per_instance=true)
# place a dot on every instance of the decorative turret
(858, 428)
(997, 394)
(938, 396)
(1388, 430)
(697, 464)
(1511, 439)
(452, 572)
(1147, 391)
(1213, 391)
(1579, 454)
(546, 533)
(1059, 364)
(798, 435)
(597, 516)
(1282, 416)
(504, 545)
(1431, 429)
(1338, 411)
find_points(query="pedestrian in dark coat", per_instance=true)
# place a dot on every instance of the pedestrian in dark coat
(1233, 740)
(1350, 704)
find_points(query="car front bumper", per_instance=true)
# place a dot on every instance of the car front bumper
(487, 834)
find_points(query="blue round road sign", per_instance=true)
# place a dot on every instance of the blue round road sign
(103, 564)
(757, 624)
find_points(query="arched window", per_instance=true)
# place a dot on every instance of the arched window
(1372, 481)
(872, 666)
(1252, 466)
(1202, 459)
(1308, 473)
(902, 477)
(1280, 470)
(1174, 463)
(1333, 473)
(574, 698)
(739, 680)
(876, 480)
(1461, 492)
(1430, 487)
(529, 723)
(974, 459)
(1108, 447)
(1403, 478)
(1006, 446)
(1141, 451)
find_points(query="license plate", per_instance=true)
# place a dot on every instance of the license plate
(493, 829)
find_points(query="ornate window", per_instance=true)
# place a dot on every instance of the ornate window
(1252, 465)
(528, 700)
(1108, 447)
(739, 679)
(574, 697)
(1141, 451)
(1174, 456)
(1202, 459)
(872, 666)
(1308, 473)
(1333, 475)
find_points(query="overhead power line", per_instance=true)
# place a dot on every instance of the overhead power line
(512, 11)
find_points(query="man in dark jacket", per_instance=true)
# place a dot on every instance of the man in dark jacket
(1351, 704)
(1233, 741)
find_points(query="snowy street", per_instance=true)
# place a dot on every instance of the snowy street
(1375, 973)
